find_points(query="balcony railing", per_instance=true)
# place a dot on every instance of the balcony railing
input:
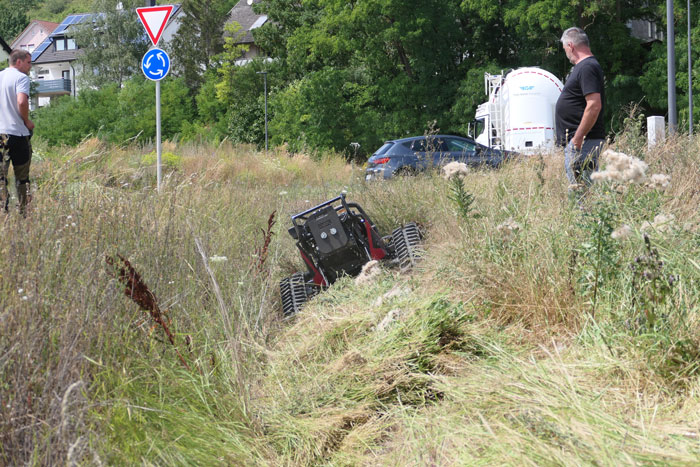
(52, 87)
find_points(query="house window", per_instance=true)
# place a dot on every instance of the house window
(65, 74)
(65, 44)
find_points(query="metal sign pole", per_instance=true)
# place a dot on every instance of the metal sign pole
(155, 64)
(158, 146)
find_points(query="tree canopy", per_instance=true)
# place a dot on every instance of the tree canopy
(363, 71)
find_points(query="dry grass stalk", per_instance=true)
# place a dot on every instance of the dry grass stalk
(233, 340)
(262, 251)
(138, 291)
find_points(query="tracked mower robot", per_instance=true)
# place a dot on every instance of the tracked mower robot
(336, 238)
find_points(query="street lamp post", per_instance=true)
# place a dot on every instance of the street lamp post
(264, 73)
(671, 69)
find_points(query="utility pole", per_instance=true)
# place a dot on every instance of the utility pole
(671, 71)
(690, 80)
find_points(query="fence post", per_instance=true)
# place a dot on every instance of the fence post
(656, 131)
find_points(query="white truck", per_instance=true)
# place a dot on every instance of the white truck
(519, 113)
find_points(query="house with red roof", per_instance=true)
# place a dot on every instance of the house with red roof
(55, 67)
(33, 35)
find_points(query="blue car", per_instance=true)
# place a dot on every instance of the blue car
(408, 156)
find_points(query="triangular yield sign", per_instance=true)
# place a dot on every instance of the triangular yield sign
(154, 19)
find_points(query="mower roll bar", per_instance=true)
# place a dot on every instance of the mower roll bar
(295, 230)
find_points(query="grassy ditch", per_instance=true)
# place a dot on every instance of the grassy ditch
(535, 329)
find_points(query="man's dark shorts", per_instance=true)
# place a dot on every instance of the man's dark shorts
(18, 149)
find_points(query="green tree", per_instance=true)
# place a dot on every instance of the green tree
(316, 112)
(116, 114)
(654, 80)
(13, 18)
(535, 27)
(57, 10)
(367, 70)
(112, 44)
(136, 105)
(199, 40)
(227, 69)
(68, 120)
(285, 18)
(398, 67)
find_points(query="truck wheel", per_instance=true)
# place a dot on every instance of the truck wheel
(406, 241)
(295, 291)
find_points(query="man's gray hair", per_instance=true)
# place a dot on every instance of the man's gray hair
(576, 36)
(17, 55)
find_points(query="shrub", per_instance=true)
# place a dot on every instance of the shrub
(116, 115)
(168, 159)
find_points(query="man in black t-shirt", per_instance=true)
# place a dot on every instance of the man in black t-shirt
(579, 110)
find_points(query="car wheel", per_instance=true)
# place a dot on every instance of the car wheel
(407, 247)
(295, 291)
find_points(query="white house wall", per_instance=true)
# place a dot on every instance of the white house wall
(170, 29)
(50, 71)
(31, 39)
(55, 70)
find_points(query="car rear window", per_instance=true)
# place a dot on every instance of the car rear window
(399, 149)
(384, 149)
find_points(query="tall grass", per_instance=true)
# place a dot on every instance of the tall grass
(78, 354)
(520, 338)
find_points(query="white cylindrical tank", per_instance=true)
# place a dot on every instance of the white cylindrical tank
(527, 100)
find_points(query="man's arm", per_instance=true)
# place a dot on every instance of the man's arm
(590, 115)
(23, 105)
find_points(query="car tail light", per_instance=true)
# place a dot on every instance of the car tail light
(381, 160)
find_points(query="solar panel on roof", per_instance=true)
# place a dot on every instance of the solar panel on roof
(259, 22)
(39, 50)
(64, 24)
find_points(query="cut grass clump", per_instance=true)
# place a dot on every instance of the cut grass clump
(351, 371)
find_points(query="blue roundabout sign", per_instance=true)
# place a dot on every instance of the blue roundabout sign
(155, 64)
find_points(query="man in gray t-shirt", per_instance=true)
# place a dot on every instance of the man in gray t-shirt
(15, 127)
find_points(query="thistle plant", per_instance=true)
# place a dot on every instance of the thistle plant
(599, 252)
(651, 286)
(463, 200)
(673, 348)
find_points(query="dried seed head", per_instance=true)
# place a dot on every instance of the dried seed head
(455, 169)
(659, 181)
(622, 232)
(620, 167)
